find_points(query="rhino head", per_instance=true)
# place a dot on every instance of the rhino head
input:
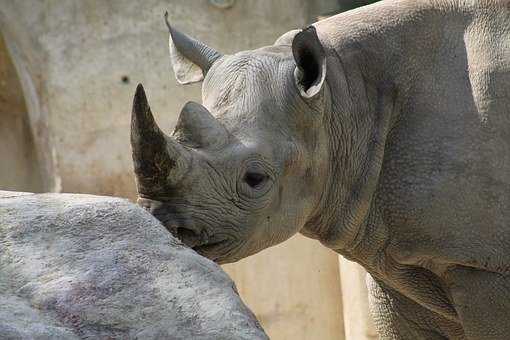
(244, 170)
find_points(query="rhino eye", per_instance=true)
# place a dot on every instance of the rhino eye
(254, 180)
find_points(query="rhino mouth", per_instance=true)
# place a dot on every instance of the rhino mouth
(212, 246)
(205, 245)
(212, 250)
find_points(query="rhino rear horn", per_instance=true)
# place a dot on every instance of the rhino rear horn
(191, 59)
(158, 160)
(199, 128)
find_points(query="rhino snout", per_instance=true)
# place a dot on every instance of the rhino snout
(180, 227)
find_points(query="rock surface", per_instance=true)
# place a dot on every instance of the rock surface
(91, 267)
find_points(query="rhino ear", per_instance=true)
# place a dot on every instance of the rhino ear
(191, 59)
(310, 59)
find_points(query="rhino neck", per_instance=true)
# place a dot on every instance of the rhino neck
(355, 152)
(366, 97)
(375, 55)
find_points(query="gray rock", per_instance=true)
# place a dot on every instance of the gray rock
(90, 267)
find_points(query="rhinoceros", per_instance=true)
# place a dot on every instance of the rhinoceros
(382, 132)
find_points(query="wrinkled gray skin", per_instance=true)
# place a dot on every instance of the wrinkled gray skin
(383, 133)
(91, 267)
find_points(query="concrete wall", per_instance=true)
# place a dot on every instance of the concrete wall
(357, 321)
(66, 85)
(19, 167)
(294, 290)
(78, 63)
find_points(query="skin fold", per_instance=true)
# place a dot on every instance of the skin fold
(382, 132)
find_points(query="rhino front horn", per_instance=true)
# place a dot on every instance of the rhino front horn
(159, 161)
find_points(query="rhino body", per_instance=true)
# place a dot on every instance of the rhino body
(91, 267)
(382, 132)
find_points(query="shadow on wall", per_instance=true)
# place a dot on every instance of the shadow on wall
(343, 6)
(19, 168)
(346, 5)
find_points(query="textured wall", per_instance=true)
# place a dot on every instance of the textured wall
(78, 64)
